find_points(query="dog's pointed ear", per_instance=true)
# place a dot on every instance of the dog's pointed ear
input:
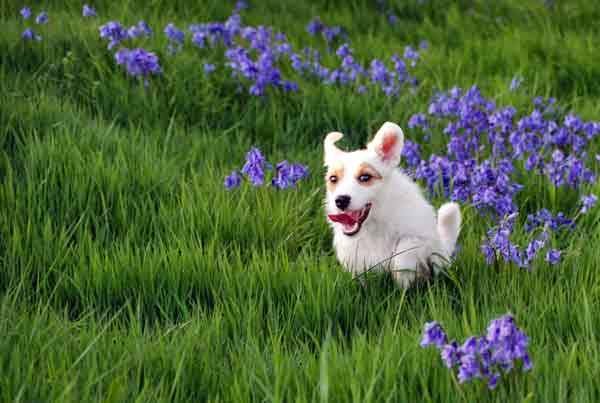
(331, 152)
(388, 143)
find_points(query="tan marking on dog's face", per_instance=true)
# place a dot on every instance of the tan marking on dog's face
(367, 175)
(334, 176)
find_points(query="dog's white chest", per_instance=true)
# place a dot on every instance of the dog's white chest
(359, 254)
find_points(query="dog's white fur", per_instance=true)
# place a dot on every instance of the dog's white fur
(401, 233)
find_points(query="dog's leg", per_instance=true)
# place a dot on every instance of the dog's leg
(406, 263)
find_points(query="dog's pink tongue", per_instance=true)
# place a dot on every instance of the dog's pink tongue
(345, 218)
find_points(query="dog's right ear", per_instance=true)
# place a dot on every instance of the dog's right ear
(388, 143)
(331, 152)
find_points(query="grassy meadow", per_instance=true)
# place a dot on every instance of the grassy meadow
(129, 273)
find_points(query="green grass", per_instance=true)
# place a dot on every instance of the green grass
(129, 274)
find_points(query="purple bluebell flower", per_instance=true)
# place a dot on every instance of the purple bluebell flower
(315, 26)
(331, 33)
(240, 5)
(287, 175)
(42, 18)
(255, 165)
(199, 39)
(553, 256)
(392, 19)
(139, 30)
(450, 354)
(88, 11)
(412, 55)
(174, 34)
(343, 51)
(433, 334)
(233, 180)
(209, 68)
(114, 32)
(411, 153)
(30, 35)
(25, 13)
(417, 120)
(515, 83)
(588, 201)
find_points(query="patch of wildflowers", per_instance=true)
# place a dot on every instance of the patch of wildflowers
(285, 175)
(488, 356)
(487, 145)
(138, 62)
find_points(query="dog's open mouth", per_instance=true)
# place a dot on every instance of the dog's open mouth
(351, 220)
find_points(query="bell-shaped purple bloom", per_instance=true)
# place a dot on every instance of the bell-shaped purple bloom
(233, 180)
(88, 11)
(433, 334)
(25, 13)
(42, 18)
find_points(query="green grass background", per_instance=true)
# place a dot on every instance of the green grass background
(129, 274)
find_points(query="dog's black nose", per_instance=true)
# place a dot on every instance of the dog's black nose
(342, 202)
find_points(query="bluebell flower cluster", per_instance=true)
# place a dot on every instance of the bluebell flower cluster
(113, 32)
(29, 34)
(139, 30)
(482, 357)
(488, 149)
(116, 33)
(256, 55)
(175, 36)
(285, 175)
(255, 166)
(138, 62)
(330, 33)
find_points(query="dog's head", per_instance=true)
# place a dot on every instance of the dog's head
(354, 179)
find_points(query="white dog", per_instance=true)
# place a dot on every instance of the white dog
(379, 215)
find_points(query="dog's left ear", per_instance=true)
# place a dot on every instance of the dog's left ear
(388, 143)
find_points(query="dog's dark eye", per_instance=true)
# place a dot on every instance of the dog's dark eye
(364, 178)
(333, 179)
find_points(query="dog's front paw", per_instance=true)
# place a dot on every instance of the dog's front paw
(404, 278)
